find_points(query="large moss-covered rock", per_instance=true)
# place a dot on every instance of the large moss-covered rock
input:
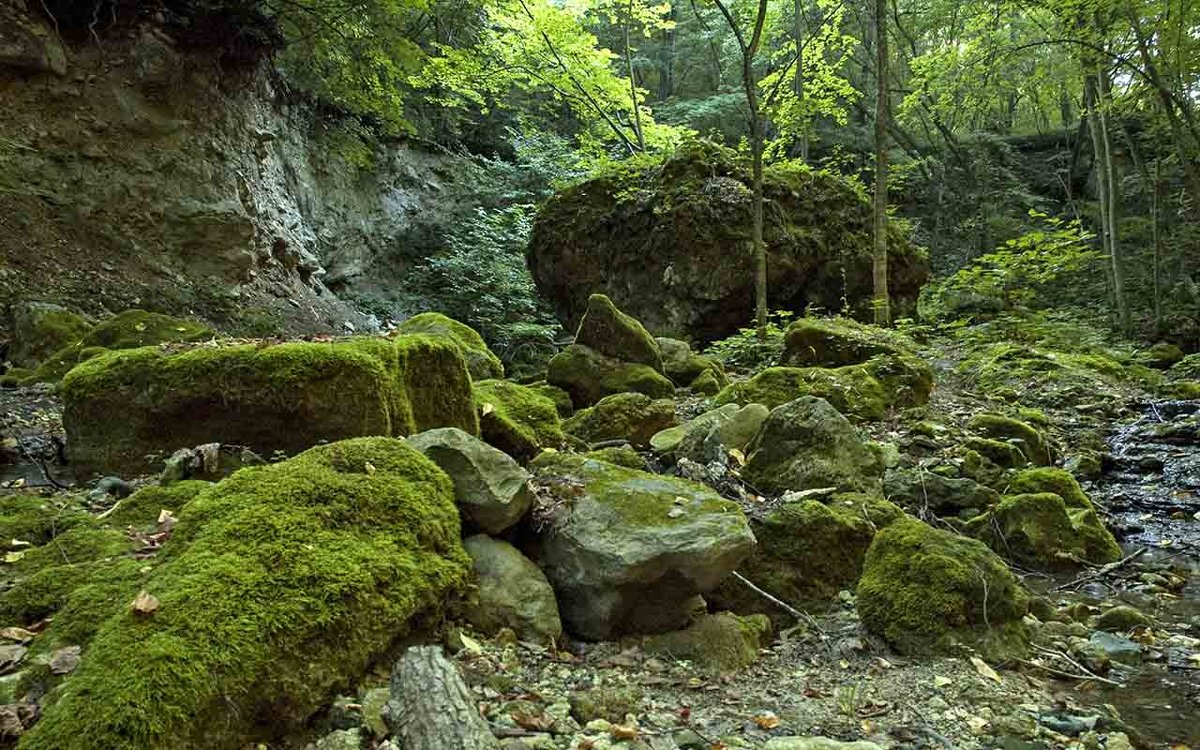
(511, 592)
(807, 444)
(945, 496)
(717, 644)
(519, 420)
(607, 330)
(278, 586)
(708, 443)
(589, 376)
(668, 439)
(851, 390)
(1039, 530)
(807, 552)
(40, 329)
(1023, 435)
(684, 366)
(623, 416)
(481, 362)
(489, 486)
(669, 242)
(1048, 479)
(826, 342)
(926, 590)
(122, 407)
(628, 551)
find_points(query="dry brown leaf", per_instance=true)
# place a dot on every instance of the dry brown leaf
(145, 603)
(20, 635)
(533, 722)
(766, 721)
(984, 670)
(622, 732)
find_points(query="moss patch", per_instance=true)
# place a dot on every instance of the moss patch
(835, 342)
(589, 376)
(623, 416)
(481, 362)
(851, 390)
(925, 590)
(517, 419)
(277, 587)
(40, 329)
(717, 644)
(1039, 530)
(610, 332)
(143, 507)
(1048, 479)
(1024, 436)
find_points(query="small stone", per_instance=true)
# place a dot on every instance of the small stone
(65, 660)
(11, 655)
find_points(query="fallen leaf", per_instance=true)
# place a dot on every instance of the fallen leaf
(145, 603)
(766, 721)
(369, 467)
(20, 635)
(12, 557)
(738, 456)
(487, 409)
(621, 732)
(470, 644)
(942, 681)
(533, 722)
(166, 520)
(984, 670)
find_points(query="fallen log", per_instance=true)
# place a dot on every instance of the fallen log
(431, 708)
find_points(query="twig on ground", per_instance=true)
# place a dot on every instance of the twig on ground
(1060, 673)
(1103, 571)
(803, 616)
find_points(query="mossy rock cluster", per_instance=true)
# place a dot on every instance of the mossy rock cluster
(127, 330)
(481, 362)
(278, 586)
(520, 420)
(807, 552)
(124, 407)
(1039, 530)
(40, 329)
(1030, 441)
(836, 342)
(925, 590)
(687, 369)
(634, 417)
(1047, 376)
(667, 238)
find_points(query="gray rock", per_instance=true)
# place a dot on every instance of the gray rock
(709, 443)
(916, 488)
(621, 556)
(513, 592)
(1118, 648)
(816, 743)
(342, 739)
(667, 440)
(210, 462)
(489, 486)
(11, 655)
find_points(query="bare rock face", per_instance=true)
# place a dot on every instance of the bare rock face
(627, 551)
(670, 244)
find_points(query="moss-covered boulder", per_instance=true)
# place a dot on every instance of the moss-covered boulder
(669, 241)
(1040, 531)
(124, 407)
(510, 592)
(607, 330)
(620, 455)
(1044, 375)
(627, 551)
(717, 644)
(489, 486)
(999, 453)
(278, 587)
(851, 390)
(481, 362)
(1187, 368)
(1048, 479)
(143, 507)
(517, 419)
(684, 366)
(807, 552)
(1161, 356)
(925, 590)
(40, 329)
(561, 399)
(807, 444)
(668, 439)
(1023, 435)
(623, 416)
(833, 342)
(919, 490)
(589, 376)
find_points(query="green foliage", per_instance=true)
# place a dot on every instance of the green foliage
(746, 351)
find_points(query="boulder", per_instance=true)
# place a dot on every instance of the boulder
(833, 342)
(620, 455)
(481, 362)
(210, 462)
(122, 408)
(588, 376)
(807, 552)
(1161, 356)
(628, 551)
(1039, 530)
(670, 243)
(1049, 479)
(561, 399)
(612, 333)
(40, 329)
(807, 444)
(490, 488)
(623, 416)
(519, 420)
(926, 590)
(277, 587)
(716, 644)
(851, 390)
(667, 440)
(1122, 619)
(944, 496)
(511, 592)
(708, 383)
(1028, 439)
(711, 442)
(684, 366)
(998, 452)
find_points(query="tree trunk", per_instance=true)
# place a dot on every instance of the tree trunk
(798, 80)
(430, 706)
(882, 302)
(760, 247)
(633, 97)
(1118, 272)
(1155, 211)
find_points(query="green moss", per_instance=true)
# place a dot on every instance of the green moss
(1040, 530)
(611, 703)
(42, 329)
(1187, 368)
(623, 416)
(807, 552)
(621, 455)
(135, 328)
(926, 590)
(1044, 375)
(1000, 453)
(124, 406)
(717, 644)
(561, 399)
(980, 468)
(277, 587)
(684, 366)
(481, 362)
(836, 342)
(1048, 479)
(590, 376)
(81, 544)
(1028, 439)
(851, 390)
(607, 330)
(1122, 619)
(144, 506)
(35, 520)
(906, 379)
(517, 419)
(708, 383)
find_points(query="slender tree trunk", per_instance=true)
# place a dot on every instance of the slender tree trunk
(1157, 234)
(882, 302)
(633, 97)
(798, 79)
(1096, 131)
(1118, 271)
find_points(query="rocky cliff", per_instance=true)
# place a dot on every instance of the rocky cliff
(137, 172)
